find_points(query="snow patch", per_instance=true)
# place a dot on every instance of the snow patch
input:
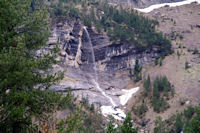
(128, 94)
(156, 6)
(115, 112)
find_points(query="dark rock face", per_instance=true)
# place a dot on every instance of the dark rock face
(71, 46)
(109, 56)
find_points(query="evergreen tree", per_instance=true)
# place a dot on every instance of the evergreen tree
(159, 126)
(161, 88)
(178, 123)
(137, 71)
(186, 65)
(111, 127)
(193, 126)
(23, 33)
(127, 126)
(147, 85)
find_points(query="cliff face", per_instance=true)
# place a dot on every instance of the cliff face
(109, 56)
(112, 60)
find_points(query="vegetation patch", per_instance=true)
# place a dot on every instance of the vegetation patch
(121, 25)
(159, 92)
(187, 121)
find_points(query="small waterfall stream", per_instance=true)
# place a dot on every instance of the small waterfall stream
(113, 110)
(95, 70)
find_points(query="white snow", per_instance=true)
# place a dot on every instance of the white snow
(128, 94)
(156, 6)
(115, 112)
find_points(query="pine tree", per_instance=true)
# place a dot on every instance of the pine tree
(178, 123)
(147, 85)
(111, 127)
(137, 71)
(193, 126)
(23, 32)
(127, 126)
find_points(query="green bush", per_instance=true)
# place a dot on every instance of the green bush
(159, 105)
(186, 65)
(196, 51)
(188, 113)
(188, 122)
(140, 110)
(156, 61)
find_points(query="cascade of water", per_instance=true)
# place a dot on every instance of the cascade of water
(92, 52)
(95, 70)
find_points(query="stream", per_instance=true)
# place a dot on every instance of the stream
(113, 110)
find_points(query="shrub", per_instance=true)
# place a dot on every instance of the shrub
(140, 110)
(186, 65)
(178, 54)
(178, 123)
(196, 51)
(156, 61)
(189, 112)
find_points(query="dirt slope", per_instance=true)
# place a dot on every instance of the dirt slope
(184, 23)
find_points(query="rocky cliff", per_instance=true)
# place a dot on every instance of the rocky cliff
(113, 61)
(109, 56)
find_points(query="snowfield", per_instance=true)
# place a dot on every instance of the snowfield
(156, 6)
(116, 112)
(128, 94)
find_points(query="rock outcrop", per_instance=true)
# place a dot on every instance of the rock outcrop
(109, 56)
(111, 60)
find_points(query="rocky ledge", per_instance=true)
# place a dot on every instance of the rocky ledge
(109, 56)
(112, 60)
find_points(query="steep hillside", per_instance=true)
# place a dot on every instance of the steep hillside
(119, 36)
(100, 44)
(182, 67)
(102, 65)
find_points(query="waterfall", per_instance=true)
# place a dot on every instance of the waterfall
(112, 109)
(95, 70)
(93, 57)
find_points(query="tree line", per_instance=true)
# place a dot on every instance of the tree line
(121, 25)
